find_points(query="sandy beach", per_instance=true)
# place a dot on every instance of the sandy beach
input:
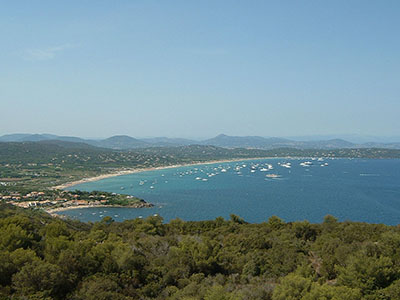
(131, 171)
(60, 209)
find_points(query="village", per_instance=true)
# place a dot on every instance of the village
(60, 199)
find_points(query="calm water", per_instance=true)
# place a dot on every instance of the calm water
(357, 190)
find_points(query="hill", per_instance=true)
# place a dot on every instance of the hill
(169, 142)
(120, 142)
(124, 142)
(223, 140)
(47, 258)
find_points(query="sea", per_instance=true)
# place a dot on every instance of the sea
(366, 190)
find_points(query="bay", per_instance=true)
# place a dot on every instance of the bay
(296, 189)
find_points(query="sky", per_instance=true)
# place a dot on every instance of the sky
(196, 69)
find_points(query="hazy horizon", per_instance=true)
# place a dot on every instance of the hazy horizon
(197, 69)
(354, 138)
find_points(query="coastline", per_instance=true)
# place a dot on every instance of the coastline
(132, 171)
(54, 211)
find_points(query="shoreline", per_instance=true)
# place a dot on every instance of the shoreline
(54, 211)
(133, 171)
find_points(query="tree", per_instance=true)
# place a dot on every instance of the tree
(292, 287)
(39, 277)
(328, 292)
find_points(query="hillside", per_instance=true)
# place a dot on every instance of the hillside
(46, 258)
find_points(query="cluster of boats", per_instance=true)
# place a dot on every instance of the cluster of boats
(206, 172)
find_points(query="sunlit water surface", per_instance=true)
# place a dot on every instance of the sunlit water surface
(350, 189)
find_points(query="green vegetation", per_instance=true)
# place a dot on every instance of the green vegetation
(28, 165)
(47, 258)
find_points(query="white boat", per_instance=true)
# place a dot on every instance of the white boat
(269, 166)
(272, 175)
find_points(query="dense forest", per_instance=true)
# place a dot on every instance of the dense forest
(48, 258)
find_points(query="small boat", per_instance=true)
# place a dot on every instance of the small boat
(269, 166)
(272, 175)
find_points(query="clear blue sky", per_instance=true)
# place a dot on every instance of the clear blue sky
(199, 68)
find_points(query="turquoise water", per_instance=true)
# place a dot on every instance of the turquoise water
(350, 189)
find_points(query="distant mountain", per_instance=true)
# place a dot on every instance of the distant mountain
(226, 141)
(381, 145)
(258, 142)
(166, 142)
(358, 139)
(23, 137)
(120, 142)
(124, 142)
(18, 137)
(329, 144)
